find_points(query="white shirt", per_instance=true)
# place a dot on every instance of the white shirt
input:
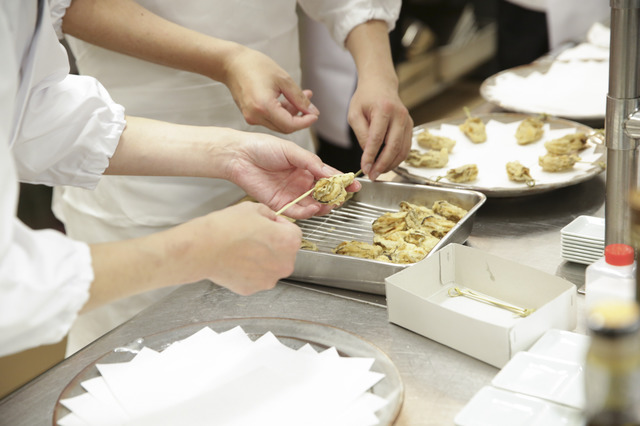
(54, 129)
(167, 94)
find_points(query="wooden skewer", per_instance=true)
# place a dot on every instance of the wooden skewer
(279, 212)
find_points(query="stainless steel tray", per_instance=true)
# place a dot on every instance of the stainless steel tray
(353, 221)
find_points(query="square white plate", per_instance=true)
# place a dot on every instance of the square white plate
(562, 345)
(496, 407)
(587, 227)
(543, 377)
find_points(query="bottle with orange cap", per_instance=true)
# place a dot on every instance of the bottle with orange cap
(611, 278)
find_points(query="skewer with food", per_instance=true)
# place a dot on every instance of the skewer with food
(462, 174)
(474, 128)
(568, 144)
(428, 140)
(530, 130)
(519, 173)
(430, 159)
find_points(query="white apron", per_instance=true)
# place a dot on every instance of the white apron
(163, 93)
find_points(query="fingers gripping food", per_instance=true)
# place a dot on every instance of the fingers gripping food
(332, 190)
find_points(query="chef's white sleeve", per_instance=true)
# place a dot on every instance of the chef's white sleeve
(342, 16)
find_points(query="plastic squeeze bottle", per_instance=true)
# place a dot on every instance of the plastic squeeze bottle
(612, 277)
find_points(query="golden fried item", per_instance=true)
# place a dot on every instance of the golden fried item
(308, 245)
(519, 173)
(568, 144)
(474, 129)
(415, 214)
(530, 130)
(358, 249)
(390, 222)
(430, 159)
(463, 174)
(557, 163)
(332, 190)
(428, 140)
(408, 254)
(448, 210)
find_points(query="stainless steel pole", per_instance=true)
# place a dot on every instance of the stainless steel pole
(622, 121)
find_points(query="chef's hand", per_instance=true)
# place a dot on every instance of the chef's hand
(266, 94)
(376, 114)
(275, 172)
(246, 247)
(382, 125)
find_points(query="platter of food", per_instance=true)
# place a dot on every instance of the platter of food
(382, 229)
(513, 155)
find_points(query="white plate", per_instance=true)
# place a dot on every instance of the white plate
(586, 227)
(581, 250)
(572, 89)
(578, 260)
(500, 148)
(547, 378)
(496, 407)
(586, 243)
(563, 345)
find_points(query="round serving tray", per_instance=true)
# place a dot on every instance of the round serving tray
(501, 147)
(293, 333)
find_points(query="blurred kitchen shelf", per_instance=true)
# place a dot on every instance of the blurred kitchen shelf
(428, 74)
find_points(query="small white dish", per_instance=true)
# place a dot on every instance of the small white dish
(582, 251)
(586, 227)
(568, 239)
(496, 407)
(551, 379)
(563, 345)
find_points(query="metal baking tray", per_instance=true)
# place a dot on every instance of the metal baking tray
(352, 221)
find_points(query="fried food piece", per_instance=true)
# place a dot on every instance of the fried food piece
(428, 140)
(415, 214)
(390, 222)
(474, 129)
(568, 144)
(530, 130)
(332, 190)
(448, 210)
(463, 174)
(519, 173)
(431, 159)
(359, 249)
(436, 225)
(308, 245)
(557, 163)
(408, 254)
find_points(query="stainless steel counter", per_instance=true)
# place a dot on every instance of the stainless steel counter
(438, 381)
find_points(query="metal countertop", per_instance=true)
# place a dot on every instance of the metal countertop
(438, 380)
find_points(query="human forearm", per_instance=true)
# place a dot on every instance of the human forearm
(126, 27)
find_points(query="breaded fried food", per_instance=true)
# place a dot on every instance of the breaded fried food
(474, 129)
(428, 140)
(448, 210)
(463, 174)
(430, 159)
(308, 245)
(530, 130)
(568, 144)
(359, 249)
(408, 254)
(557, 162)
(332, 190)
(390, 222)
(519, 173)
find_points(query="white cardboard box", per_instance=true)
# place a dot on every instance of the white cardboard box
(418, 299)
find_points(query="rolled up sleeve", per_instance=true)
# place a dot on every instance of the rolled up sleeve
(342, 16)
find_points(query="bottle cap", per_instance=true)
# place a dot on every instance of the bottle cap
(618, 254)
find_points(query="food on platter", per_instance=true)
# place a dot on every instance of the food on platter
(530, 130)
(431, 159)
(463, 174)
(557, 162)
(428, 140)
(519, 173)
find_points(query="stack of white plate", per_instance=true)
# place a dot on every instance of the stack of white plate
(583, 240)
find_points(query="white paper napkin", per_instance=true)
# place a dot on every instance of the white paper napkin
(229, 379)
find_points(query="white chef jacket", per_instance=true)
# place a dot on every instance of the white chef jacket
(159, 92)
(54, 128)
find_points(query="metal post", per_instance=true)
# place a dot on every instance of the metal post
(622, 126)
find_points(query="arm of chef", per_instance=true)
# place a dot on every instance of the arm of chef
(378, 117)
(255, 80)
